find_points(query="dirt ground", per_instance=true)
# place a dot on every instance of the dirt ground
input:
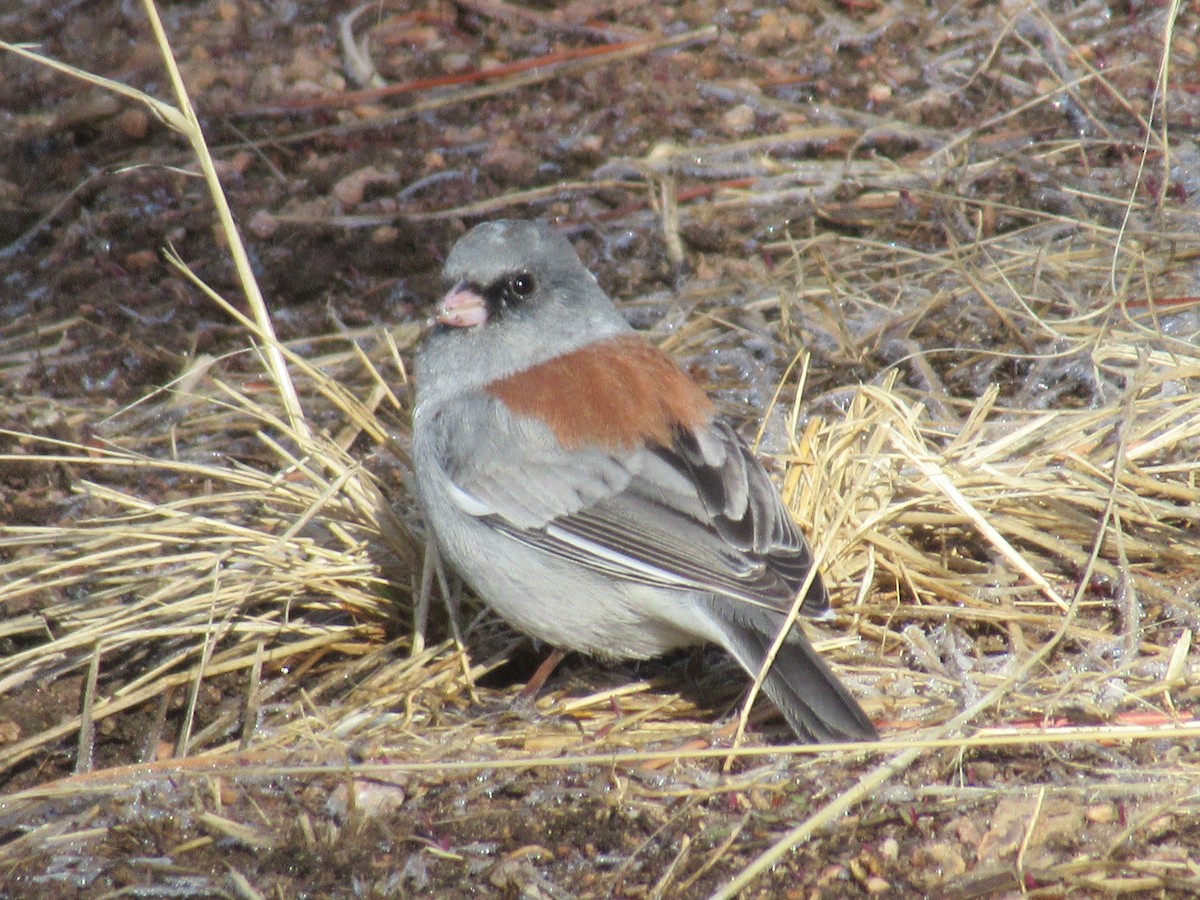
(348, 195)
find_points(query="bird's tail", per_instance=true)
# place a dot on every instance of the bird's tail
(813, 700)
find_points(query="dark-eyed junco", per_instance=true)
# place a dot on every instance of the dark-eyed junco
(582, 484)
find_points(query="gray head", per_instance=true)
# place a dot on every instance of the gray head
(519, 296)
(489, 252)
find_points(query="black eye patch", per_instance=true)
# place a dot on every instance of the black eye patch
(509, 291)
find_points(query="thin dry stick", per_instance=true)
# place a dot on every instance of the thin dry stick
(250, 711)
(1037, 811)
(241, 260)
(87, 721)
(226, 762)
(212, 634)
(504, 85)
(1158, 98)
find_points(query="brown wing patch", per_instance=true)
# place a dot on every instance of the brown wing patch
(618, 394)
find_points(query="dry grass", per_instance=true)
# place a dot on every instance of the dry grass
(1007, 505)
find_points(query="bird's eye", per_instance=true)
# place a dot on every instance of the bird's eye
(522, 284)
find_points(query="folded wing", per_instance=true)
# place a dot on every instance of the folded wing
(701, 514)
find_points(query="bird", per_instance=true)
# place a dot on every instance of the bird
(583, 485)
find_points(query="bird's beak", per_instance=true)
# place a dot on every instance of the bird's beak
(462, 307)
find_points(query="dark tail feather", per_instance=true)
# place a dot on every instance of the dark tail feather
(812, 699)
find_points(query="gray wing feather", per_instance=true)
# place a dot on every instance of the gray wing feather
(514, 469)
(702, 515)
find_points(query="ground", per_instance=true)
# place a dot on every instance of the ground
(936, 260)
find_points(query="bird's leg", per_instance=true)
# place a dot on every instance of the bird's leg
(538, 679)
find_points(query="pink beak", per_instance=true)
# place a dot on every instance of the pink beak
(462, 307)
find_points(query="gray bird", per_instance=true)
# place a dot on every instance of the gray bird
(581, 483)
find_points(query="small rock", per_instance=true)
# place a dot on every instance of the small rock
(263, 224)
(134, 123)
(879, 93)
(350, 190)
(139, 260)
(740, 119)
(1102, 813)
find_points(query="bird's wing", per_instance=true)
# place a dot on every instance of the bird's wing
(701, 514)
